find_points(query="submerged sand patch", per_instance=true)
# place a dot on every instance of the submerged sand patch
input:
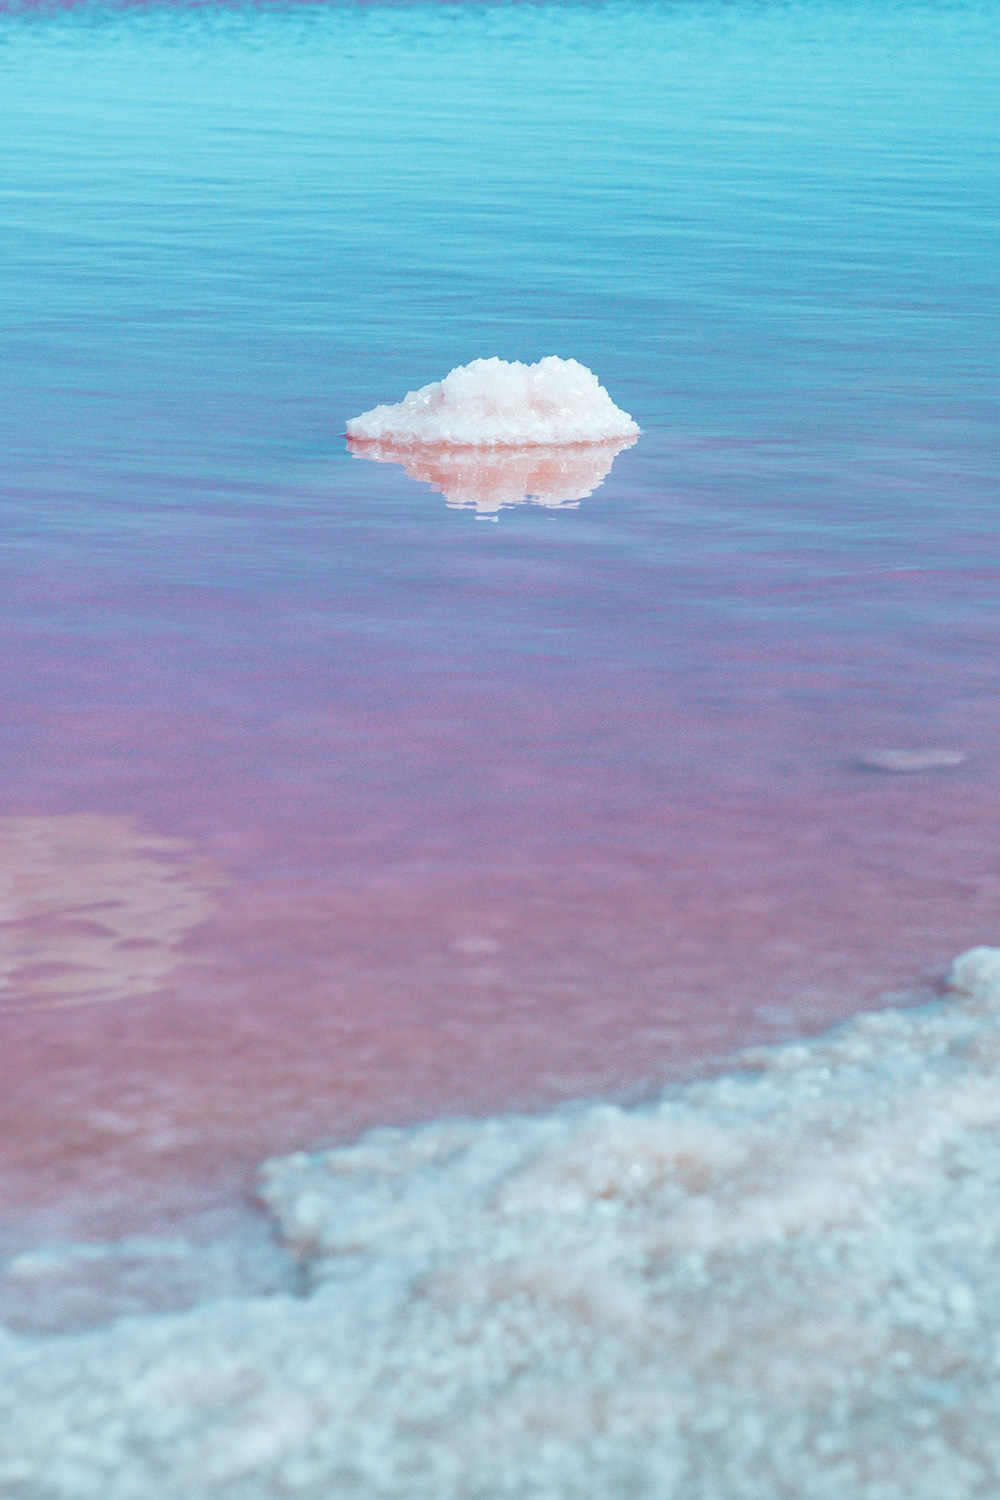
(781, 1282)
(92, 909)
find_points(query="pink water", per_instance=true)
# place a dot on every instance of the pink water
(464, 876)
(468, 818)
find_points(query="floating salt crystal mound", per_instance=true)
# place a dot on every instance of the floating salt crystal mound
(781, 1282)
(488, 480)
(493, 403)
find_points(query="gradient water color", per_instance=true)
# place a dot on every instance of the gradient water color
(326, 806)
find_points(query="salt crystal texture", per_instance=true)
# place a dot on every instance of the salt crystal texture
(496, 403)
(780, 1282)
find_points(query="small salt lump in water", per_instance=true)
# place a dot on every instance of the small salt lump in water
(496, 403)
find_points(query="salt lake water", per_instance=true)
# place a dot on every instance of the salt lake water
(338, 796)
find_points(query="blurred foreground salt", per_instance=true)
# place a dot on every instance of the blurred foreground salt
(71, 1286)
(782, 1282)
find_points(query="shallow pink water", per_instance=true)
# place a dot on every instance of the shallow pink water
(323, 803)
(472, 891)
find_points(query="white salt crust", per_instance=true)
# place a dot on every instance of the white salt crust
(494, 403)
(783, 1284)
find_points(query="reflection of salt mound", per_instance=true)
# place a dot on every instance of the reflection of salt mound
(782, 1282)
(91, 909)
(487, 480)
(498, 403)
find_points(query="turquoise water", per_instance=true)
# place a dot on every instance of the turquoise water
(491, 814)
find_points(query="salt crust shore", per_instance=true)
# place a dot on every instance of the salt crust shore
(784, 1282)
(501, 403)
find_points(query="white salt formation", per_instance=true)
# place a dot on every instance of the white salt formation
(781, 1283)
(488, 480)
(493, 403)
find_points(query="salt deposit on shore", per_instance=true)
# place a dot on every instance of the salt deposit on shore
(499, 403)
(782, 1282)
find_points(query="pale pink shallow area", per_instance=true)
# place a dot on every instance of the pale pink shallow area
(262, 898)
